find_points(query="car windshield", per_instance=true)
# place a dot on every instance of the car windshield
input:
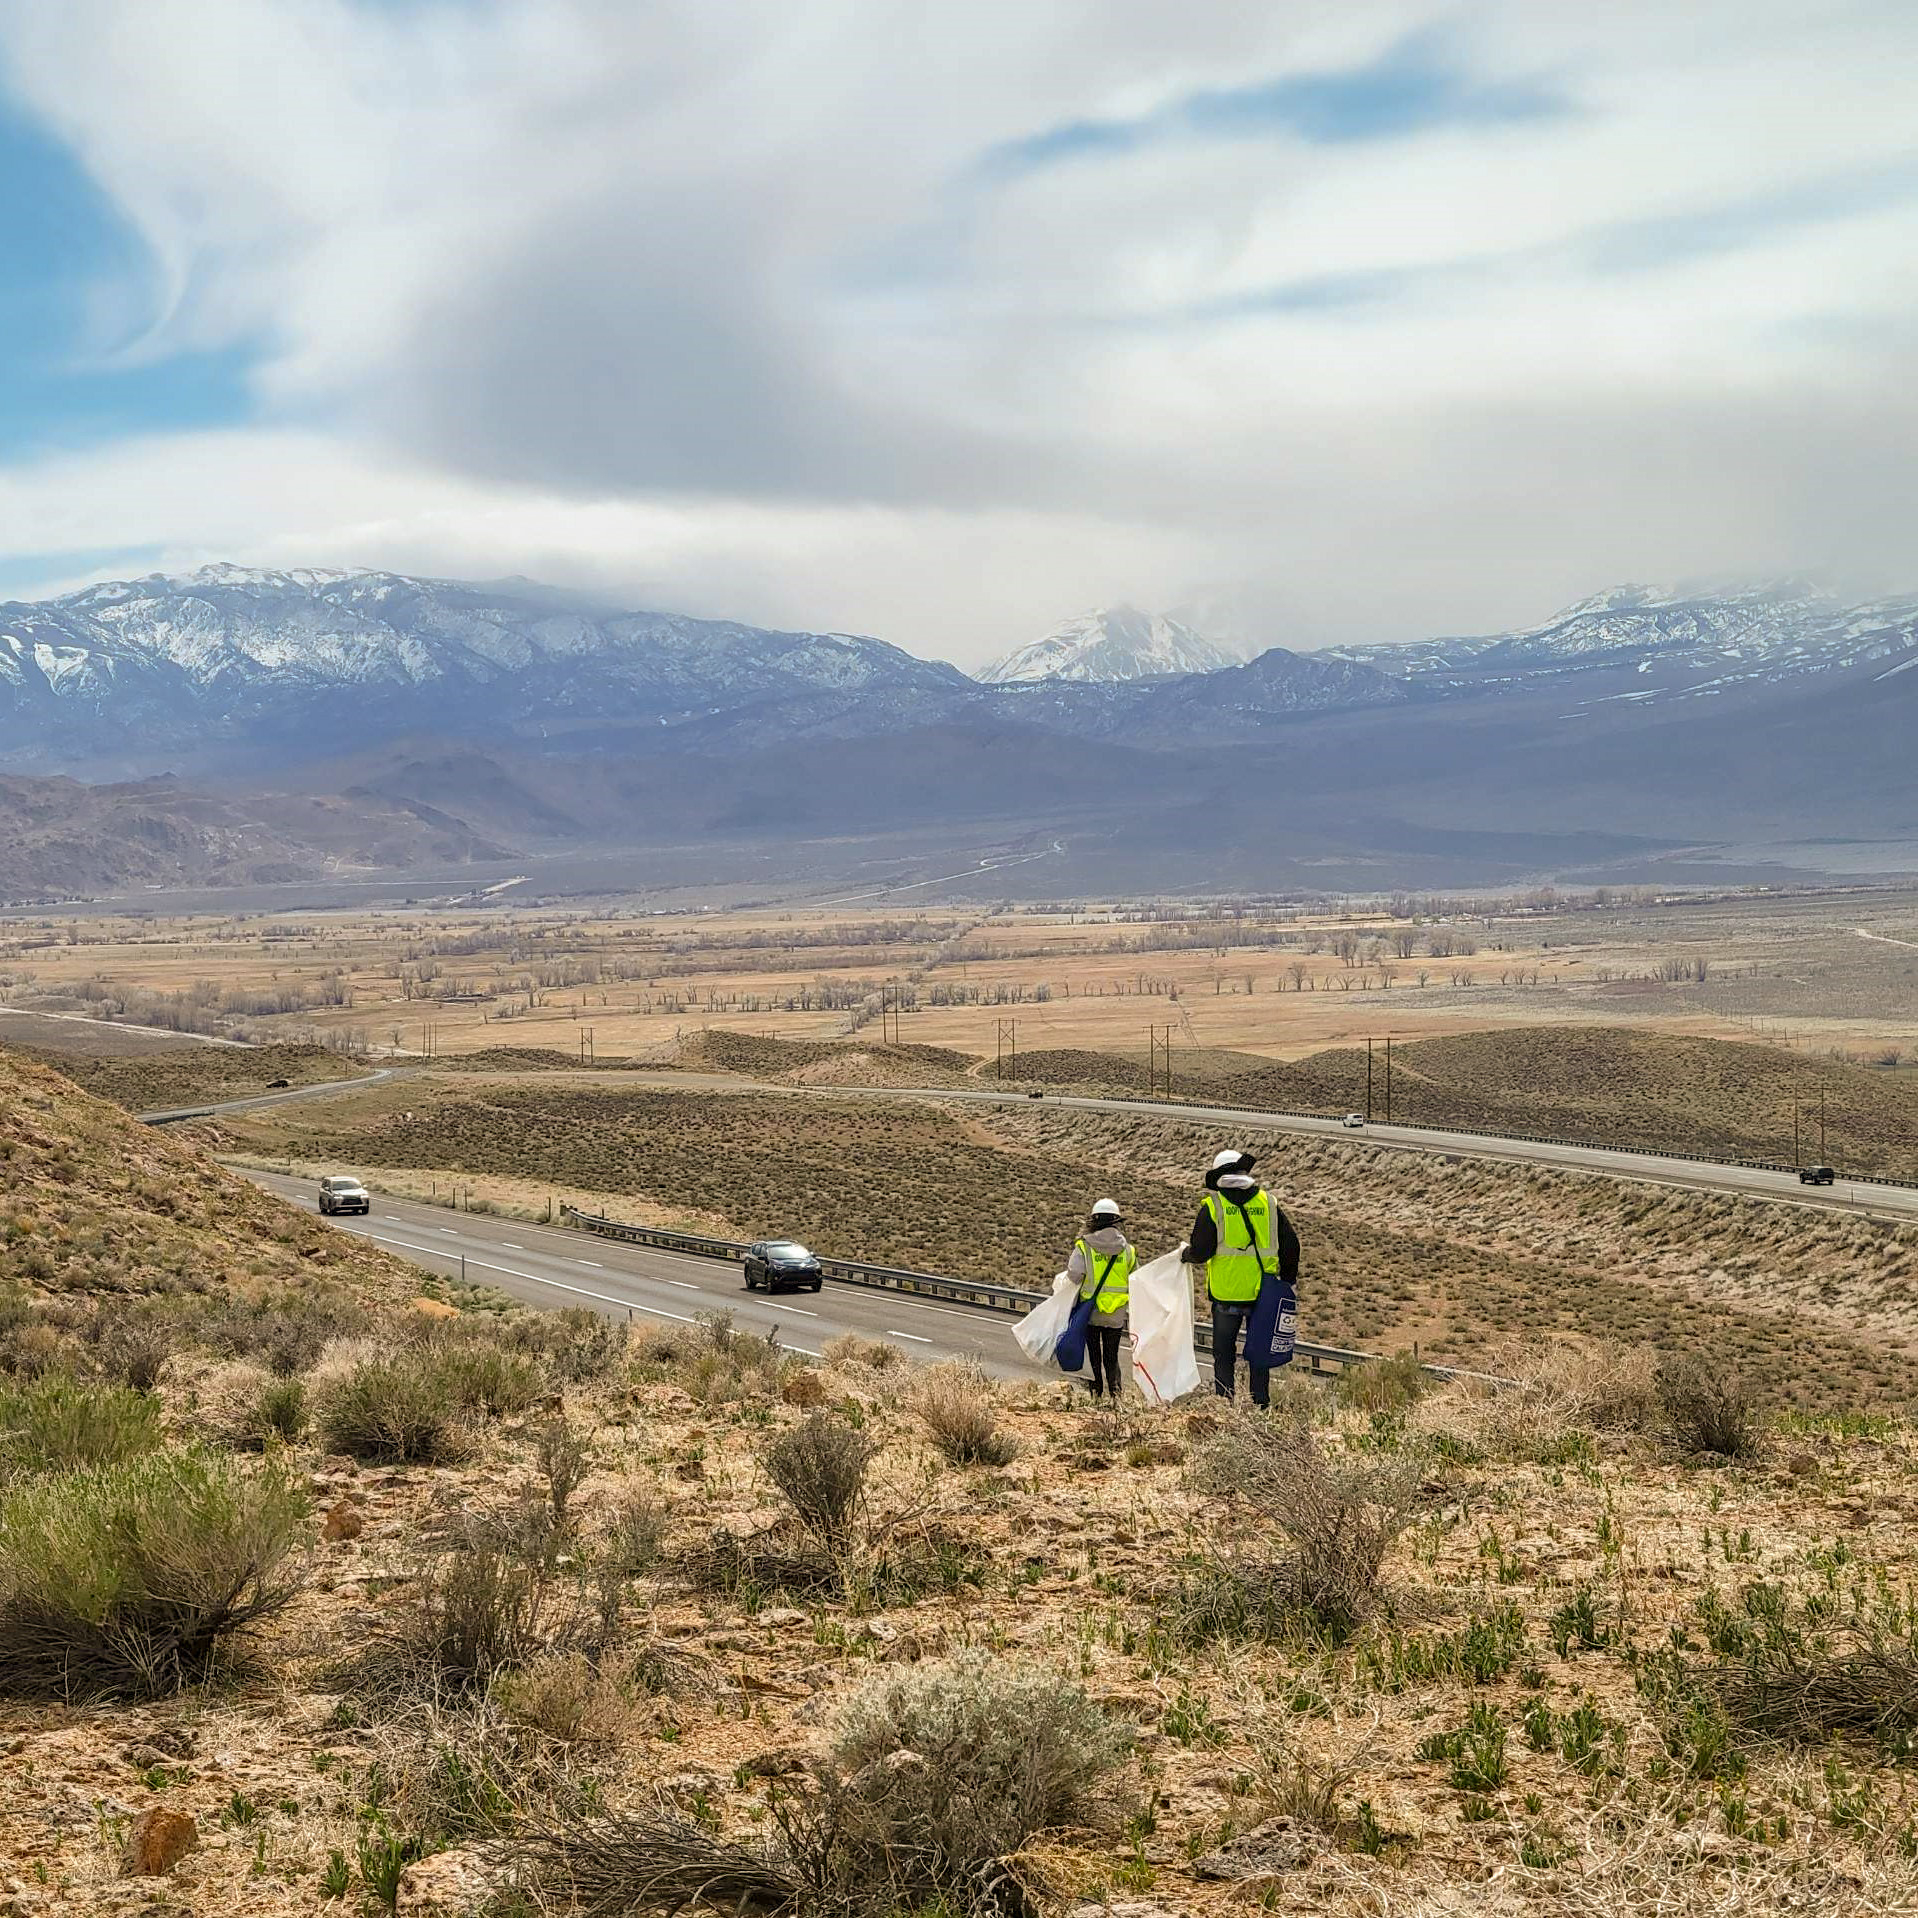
(787, 1249)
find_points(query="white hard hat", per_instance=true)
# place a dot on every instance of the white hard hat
(1230, 1160)
(1106, 1209)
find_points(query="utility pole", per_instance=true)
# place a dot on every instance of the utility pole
(1160, 1040)
(1368, 1082)
(1797, 1158)
(1821, 1125)
(1008, 1043)
(1388, 1079)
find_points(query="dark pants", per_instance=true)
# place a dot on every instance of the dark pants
(1102, 1348)
(1228, 1323)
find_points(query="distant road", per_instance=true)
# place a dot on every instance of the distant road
(1897, 1204)
(320, 1089)
(556, 1266)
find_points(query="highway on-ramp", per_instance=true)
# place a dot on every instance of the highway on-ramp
(556, 1266)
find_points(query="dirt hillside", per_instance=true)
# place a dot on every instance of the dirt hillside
(93, 1202)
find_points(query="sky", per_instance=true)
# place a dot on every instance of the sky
(1327, 320)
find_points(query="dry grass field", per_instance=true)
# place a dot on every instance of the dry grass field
(1828, 972)
(539, 1616)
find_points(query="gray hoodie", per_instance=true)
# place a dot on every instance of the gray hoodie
(1104, 1242)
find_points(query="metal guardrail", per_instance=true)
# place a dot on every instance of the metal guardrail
(976, 1292)
(174, 1118)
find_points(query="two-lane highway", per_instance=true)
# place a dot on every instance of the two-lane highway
(557, 1265)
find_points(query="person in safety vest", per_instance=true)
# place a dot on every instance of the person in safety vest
(1250, 1255)
(1103, 1261)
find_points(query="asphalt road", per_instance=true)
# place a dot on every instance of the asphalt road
(558, 1265)
(321, 1089)
(1697, 1175)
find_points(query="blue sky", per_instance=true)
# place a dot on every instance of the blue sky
(1397, 317)
(75, 295)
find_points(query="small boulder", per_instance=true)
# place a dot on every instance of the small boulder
(1263, 1852)
(342, 1521)
(158, 1841)
(449, 1884)
(435, 1309)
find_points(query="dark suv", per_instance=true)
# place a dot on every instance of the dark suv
(1816, 1175)
(777, 1262)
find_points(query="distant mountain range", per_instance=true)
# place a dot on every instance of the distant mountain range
(404, 722)
(1693, 641)
(1115, 643)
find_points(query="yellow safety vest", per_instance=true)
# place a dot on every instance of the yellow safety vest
(1114, 1284)
(1244, 1259)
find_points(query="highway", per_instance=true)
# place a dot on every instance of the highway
(557, 1266)
(1898, 1204)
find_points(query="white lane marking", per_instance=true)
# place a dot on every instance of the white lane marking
(944, 1311)
(452, 1232)
(594, 1263)
(801, 1312)
(686, 1285)
(507, 1245)
(913, 1336)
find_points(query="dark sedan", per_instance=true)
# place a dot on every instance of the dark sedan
(774, 1263)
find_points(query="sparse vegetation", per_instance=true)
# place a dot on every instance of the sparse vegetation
(1707, 1407)
(1339, 1517)
(955, 1404)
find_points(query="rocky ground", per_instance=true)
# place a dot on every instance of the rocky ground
(554, 1603)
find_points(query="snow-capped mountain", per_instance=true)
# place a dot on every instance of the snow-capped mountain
(242, 655)
(1114, 643)
(1681, 641)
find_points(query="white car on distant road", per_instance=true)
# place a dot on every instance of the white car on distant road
(344, 1195)
(1353, 1121)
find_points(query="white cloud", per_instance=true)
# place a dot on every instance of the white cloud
(722, 305)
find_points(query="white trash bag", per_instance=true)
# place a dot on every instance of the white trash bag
(1039, 1331)
(1164, 1364)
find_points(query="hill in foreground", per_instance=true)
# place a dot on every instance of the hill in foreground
(93, 1202)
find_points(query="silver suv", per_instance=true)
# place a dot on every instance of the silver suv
(344, 1195)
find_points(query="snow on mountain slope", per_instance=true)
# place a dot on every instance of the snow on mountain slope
(1687, 639)
(243, 654)
(1112, 644)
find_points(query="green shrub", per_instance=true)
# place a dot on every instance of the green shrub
(394, 1410)
(958, 1764)
(1384, 1385)
(484, 1378)
(277, 1415)
(123, 1580)
(57, 1424)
